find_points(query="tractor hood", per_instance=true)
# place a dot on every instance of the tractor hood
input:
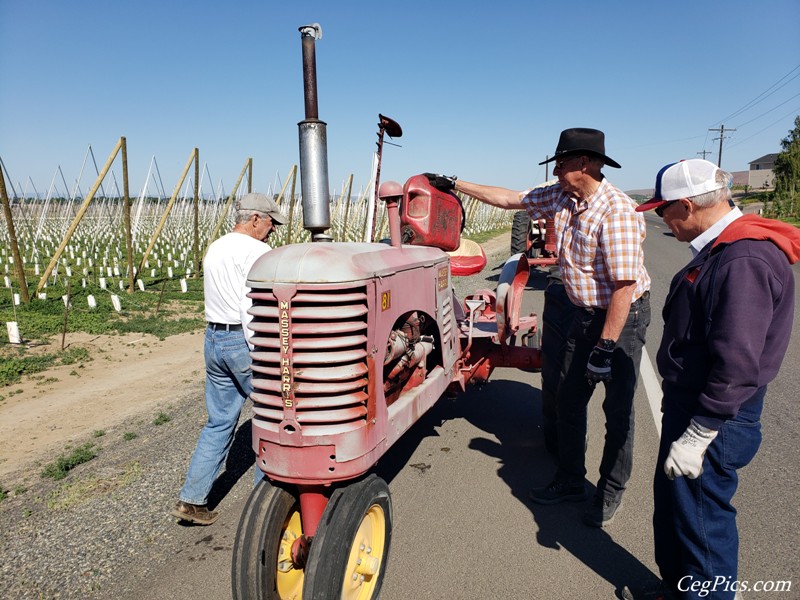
(337, 262)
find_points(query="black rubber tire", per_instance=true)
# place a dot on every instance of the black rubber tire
(258, 537)
(327, 565)
(520, 232)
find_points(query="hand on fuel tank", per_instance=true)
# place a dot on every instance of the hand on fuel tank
(442, 182)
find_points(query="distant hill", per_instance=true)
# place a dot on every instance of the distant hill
(641, 195)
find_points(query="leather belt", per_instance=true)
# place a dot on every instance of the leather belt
(225, 326)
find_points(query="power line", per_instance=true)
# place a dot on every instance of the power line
(705, 153)
(737, 142)
(763, 95)
(769, 111)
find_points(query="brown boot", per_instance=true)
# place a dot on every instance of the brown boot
(194, 513)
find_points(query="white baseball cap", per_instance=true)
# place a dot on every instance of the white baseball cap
(684, 179)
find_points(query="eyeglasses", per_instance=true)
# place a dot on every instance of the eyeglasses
(560, 163)
(660, 210)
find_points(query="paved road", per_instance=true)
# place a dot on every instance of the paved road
(463, 528)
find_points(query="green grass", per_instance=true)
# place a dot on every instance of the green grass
(63, 464)
(129, 435)
(15, 362)
(162, 418)
(485, 236)
(152, 312)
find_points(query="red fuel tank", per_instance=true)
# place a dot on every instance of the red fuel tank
(430, 217)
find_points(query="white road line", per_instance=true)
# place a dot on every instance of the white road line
(652, 388)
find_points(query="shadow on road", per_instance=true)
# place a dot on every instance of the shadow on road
(516, 422)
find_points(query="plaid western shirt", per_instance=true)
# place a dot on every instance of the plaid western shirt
(599, 240)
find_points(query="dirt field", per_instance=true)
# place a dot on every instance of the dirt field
(127, 375)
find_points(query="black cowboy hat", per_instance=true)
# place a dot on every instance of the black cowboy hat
(582, 140)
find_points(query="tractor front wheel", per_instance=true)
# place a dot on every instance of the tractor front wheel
(262, 567)
(349, 551)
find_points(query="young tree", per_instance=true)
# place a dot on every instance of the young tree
(787, 170)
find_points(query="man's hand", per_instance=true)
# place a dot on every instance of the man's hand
(687, 452)
(599, 366)
(441, 182)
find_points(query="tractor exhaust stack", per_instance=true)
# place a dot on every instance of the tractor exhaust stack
(313, 146)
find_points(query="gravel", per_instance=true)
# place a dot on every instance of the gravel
(106, 526)
(107, 522)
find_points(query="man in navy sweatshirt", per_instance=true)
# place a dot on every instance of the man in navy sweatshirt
(727, 322)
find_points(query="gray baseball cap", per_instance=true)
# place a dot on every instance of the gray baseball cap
(262, 203)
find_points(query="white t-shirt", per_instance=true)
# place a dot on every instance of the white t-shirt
(225, 269)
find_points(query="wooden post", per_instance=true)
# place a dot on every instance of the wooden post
(12, 236)
(81, 211)
(291, 205)
(127, 213)
(224, 214)
(163, 220)
(347, 207)
(196, 215)
(66, 315)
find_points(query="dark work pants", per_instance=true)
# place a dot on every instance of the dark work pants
(575, 392)
(556, 320)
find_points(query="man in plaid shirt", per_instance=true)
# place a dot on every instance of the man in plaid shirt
(599, 240)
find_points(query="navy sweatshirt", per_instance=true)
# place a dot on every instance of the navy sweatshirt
(728, 319)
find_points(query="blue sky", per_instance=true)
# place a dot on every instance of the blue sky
(481, 89)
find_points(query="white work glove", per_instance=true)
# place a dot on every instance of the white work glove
(687, 452)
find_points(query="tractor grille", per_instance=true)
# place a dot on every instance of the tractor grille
(448, 319)
(327, 368)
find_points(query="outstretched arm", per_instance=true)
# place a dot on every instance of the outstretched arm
(496, 196)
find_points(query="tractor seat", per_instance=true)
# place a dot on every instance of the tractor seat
(468, 259)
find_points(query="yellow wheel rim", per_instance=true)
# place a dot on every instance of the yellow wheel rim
(366, 556)
(288, 579)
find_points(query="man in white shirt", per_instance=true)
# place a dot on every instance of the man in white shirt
(227, 350)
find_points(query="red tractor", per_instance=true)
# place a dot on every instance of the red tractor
(535, 238)
(353, 343)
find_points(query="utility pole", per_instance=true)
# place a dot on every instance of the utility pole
(721, 130)
(705, 153)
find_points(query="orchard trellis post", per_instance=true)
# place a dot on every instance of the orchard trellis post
(127, 213)
(81, 211)
(12, 235)
(248, 166)
(192, 157)
(196, 248)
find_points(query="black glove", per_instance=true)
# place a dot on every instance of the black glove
(441, 182)
(599, 366)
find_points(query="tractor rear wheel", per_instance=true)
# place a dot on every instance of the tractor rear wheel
(349, 551)
(520, 232)
(262, 567)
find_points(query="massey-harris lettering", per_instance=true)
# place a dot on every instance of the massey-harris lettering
(286, 361)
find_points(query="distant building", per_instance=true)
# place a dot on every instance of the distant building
(761, 174)
(741, 178)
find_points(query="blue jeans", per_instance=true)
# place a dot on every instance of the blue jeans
(575, 392)
(694, 523)
(228, 384)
